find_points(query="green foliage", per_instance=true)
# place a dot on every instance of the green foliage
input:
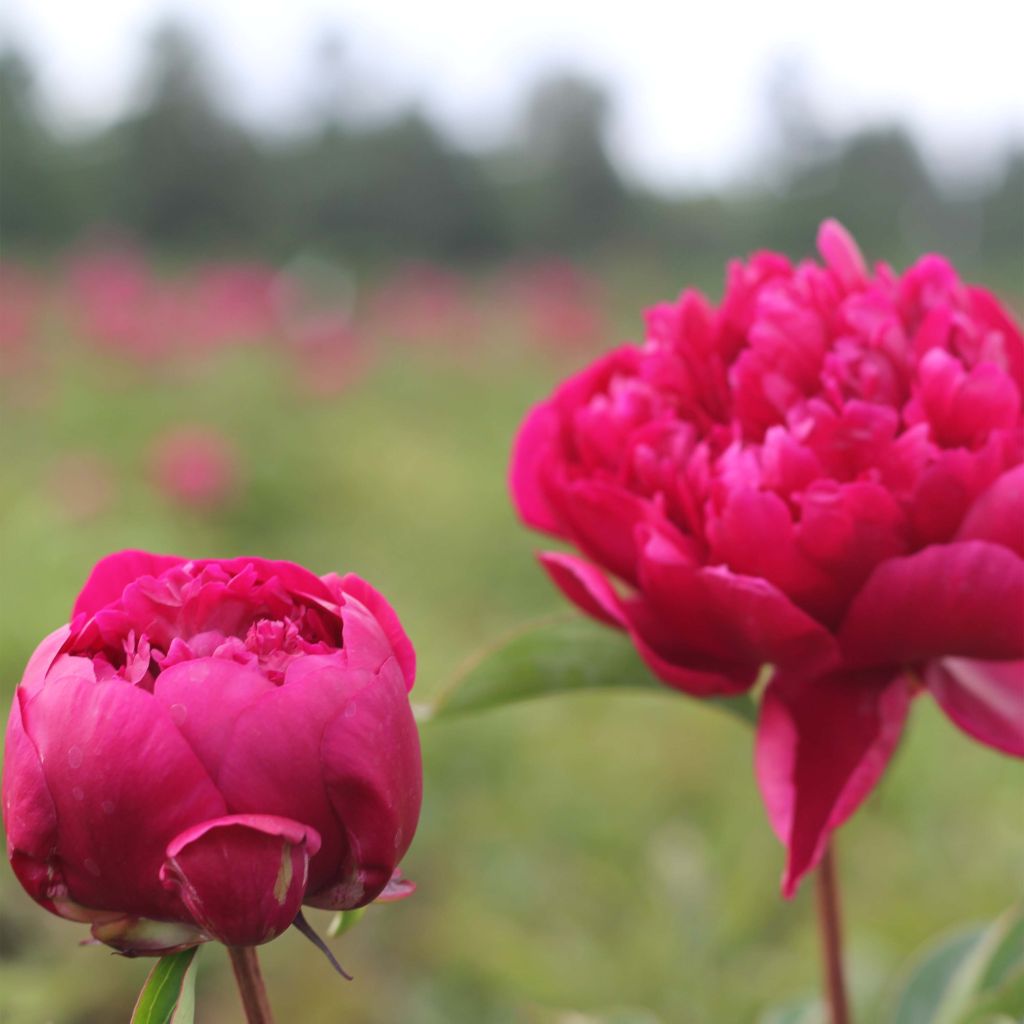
(169, 995)
(564, 655)
(971, 977)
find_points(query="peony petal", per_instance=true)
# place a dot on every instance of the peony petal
(358, 597)
(270, 762)
(243, 876)
(842, 255)
(964, 599)
(42, 660)
(714, 612)
(112, 574)
(373, 773)
(587, 587)
(204, 698)
(584, 585)
(998, 513)
(533, 446)
(984, 698)
(30, 818)
(123, 783)
(822, 745)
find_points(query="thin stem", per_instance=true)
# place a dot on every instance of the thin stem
(830, 931)
(250, 984)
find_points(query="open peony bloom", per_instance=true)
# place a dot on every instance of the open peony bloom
(209, 745)
(825, 474)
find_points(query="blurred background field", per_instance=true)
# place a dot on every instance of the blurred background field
(317, 344)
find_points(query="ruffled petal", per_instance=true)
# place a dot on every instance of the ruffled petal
(984, 698)
(242, 876)
(964, 599)
(822, 745)
(112, 574)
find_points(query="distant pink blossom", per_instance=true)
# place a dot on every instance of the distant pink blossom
(824, 473)
(195, 467)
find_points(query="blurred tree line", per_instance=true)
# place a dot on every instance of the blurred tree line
(179, 173)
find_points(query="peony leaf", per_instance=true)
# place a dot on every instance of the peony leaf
(554, 656)
(966, 977)
(169, 995)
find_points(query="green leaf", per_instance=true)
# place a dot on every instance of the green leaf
(967, 977)
(558, 656)
(343, 921)
(169, 995)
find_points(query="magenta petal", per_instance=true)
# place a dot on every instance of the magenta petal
(984, 698)
(842, 254)
(733, 618)
(30, 818)
(372, 770)
(243, 876)
(204, 698)
(587, 587)
(998, 513)
(360, 595)
(533, 445)
(42, 659)
(123, 783)
(822, 744)
(112, 574)
(584, 585)
(964, 599)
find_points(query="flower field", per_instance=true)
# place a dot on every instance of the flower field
(598, 858)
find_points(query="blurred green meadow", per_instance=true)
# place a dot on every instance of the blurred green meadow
(588, 858)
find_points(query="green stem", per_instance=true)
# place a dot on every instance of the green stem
(250, 984)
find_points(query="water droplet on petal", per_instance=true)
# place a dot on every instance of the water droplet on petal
(108, 806)
(75, 756)
(78, 793)
(178, 714)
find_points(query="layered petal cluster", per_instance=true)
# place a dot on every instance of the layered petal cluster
(822, 473)
(207, 746)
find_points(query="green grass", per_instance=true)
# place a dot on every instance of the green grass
(589, 854)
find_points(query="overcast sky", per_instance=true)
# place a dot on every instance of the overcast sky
(687, 77)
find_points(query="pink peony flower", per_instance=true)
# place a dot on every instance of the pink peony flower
(825, 474)
(208, 746)
(195, 467)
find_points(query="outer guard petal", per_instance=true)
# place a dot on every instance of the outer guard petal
(242, 877)
(964, 599)
(374, 777)
(123, 783)
(822, 745)
(984, 698)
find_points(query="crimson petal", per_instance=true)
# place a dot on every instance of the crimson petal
(242, 876)
(822, 744)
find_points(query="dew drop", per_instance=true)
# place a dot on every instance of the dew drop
(75, 757)
(78, 793)
(178, 714)
(108, 806)
(350, 709)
